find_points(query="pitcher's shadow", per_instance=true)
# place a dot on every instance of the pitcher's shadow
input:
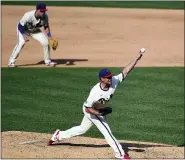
(138, 147)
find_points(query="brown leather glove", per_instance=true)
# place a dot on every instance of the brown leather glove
(105, 111)
(53, 43)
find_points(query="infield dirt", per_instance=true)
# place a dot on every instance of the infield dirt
(98, 37)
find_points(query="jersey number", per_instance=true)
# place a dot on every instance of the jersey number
(103, 101)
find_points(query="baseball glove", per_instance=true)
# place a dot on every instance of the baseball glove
(105, 111)
(53, 43)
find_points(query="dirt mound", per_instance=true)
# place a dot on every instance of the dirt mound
(16, 144)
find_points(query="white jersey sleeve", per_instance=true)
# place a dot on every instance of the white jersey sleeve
(119, 77)
(24, 19)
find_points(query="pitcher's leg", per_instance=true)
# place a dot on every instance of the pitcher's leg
(46, 47)
(74, 131)
(85, 125)
(17, 49)
(104, 128)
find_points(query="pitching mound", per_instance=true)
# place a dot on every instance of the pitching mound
(16, 144)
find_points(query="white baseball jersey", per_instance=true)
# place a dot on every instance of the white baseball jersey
(98, 97)
(31, 24)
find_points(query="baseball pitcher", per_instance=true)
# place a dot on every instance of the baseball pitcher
(95, 108)
(34, 24)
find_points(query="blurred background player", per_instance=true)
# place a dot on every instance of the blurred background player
(34, 24)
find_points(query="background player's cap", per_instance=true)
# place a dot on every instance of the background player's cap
(105, 73)
(41, 6)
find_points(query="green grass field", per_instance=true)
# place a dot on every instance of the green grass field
(118, 4)
(147, 106)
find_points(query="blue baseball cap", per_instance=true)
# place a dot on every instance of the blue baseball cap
(105, 73)
(41, 6)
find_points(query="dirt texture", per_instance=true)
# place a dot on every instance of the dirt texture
(98, 37)
(16, 144)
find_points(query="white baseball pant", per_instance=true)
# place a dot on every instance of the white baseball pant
(101, 124)
(41, 37)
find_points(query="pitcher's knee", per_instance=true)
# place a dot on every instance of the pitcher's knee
(83, 129)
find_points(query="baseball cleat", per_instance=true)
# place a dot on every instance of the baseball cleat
(12, 65)
(50, 142)
(54, 137)
(126, 156)
(51, 64)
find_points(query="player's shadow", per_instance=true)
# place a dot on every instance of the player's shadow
(65, 61)
(58, 61)
(136, 147)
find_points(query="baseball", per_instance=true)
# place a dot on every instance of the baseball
(142, 50)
